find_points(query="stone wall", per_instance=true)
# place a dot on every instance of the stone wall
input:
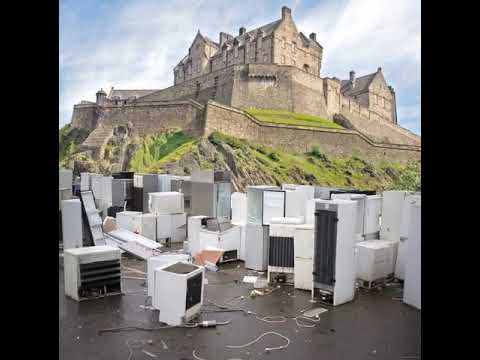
(85, 116)
(332, 141)
(145, 118)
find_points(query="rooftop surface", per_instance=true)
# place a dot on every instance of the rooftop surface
(373, 326)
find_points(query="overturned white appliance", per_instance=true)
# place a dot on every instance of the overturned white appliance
(160, 261)
(92, 272)
(178, 292)
(135, 244)
(334, 258)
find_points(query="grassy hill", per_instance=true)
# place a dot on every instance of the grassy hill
(251, 164)
(291, 118)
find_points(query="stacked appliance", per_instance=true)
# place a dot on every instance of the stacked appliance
(239, 218)
(91, 272)
(375, 261)
(257, 235)
(146, 225)
(137, 192)
(220, 234)
(72, 224)
(178, 292)
(210, 193)
(168, 207)
(412, 288)
(303, 244)
(334, 260)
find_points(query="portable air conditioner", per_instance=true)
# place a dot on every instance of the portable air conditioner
(178, 292)
(171, 227)
(256, 247)
(404, 229)
(92, 271)
(72, 224)
(193, 229)
(373, 211)
(162, 203)
(146, 225)
(334, 259)
(375, 261)
(161, 261)
(65, 179)
(126, 220)
(303, 243)
(227, 240)
(412, 288)
(281, 258)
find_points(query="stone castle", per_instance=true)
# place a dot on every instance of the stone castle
(275, 67)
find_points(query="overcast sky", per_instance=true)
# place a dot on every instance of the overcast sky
(136, 44)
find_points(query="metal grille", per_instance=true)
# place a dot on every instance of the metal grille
(325, 247)
(281, 251)
(100, 274)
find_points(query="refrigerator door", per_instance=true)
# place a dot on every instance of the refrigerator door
(273, 205)
(303, 273)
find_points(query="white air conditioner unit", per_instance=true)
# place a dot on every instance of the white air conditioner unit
(72, 224)
(303, 241)
(126, 220)
(92, 272)
(161, 261)
(178, 292)
(334, 270)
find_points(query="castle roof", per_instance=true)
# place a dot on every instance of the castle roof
(361, 85)
(126, 94)
(266, 29)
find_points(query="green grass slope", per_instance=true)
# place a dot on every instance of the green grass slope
(291, 118)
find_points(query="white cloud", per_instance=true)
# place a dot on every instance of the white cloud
(138, 45)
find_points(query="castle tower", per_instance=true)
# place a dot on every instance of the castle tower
(101, 97)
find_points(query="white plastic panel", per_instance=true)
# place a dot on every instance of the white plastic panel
(72, 224)
(239, 208)
(373, 211)
(412, 289)
(392, 206)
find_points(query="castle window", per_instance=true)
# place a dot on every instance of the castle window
(283, 59)
(197, 92)
(284, 42)
(265, 58)
(306, 68)
(125, 102)
(294, 46)
(116, 102)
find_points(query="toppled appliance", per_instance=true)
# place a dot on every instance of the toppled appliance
(160, 261)
(92, 272)
(135, 244)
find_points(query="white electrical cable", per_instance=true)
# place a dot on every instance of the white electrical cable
(267, 349)
(273, 319)
(306, 325)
